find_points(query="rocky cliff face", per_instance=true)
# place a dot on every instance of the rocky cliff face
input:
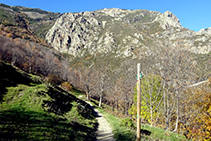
(124, 32)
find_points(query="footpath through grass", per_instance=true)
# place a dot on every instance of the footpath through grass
(124, 133)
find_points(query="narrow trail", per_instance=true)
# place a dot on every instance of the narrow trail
(104, 131)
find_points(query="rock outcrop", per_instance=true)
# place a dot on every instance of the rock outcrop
(34, 15)
(168, 20)
(124, 32)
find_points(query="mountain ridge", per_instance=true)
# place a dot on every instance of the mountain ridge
(106, 30)
(117, 30)
(26, 23)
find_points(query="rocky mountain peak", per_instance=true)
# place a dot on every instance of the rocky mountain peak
(113, 12)
(124, 32)
(168, 20)
(205, 31)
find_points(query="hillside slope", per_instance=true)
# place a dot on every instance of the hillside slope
(26, 23)
(31, 110)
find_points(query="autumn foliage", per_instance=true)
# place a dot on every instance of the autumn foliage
(67, 86)
(33, 58)
(199, 121)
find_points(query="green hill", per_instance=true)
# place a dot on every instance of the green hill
(32, 110)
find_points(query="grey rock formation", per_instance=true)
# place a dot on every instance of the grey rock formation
(168, 20)
(34, 15)
(124, 32)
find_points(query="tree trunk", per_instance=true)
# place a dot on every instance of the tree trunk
(164, 99)
(100, 102)
(87, 96)
(102, 89)
(113, 107)
(177, 110)
(125, 107)
(116, 104)
(30, 66)
(167, 114)
(151, 112)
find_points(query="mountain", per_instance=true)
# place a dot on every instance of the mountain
(107, 37)
(26, 23)
(123, 32)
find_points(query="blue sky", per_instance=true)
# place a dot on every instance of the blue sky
(193, 14)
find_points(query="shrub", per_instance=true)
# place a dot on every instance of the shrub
(127, 122)
(54, 79)
(25, 66)
(7, 29)
(9, 35)
(67, 86)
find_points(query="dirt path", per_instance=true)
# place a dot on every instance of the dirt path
(104, 131)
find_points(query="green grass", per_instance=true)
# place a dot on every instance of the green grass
(160, 134)
(78, 93)
(30, 110)
(42, 30)
(24, 96)
(26, 114)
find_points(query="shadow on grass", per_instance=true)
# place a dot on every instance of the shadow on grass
(77, 91)
(130, 135)
(61, 103)
(145, 132)
(9, 77)
(95, 103)
(18, 124)
(124, 135)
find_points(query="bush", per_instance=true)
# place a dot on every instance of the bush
(127, 122)
(67, 86)
(54, 79)
(9, 35)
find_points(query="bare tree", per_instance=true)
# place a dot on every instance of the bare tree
(102, 86)
(49, 64)
(64, 70)
(89, 80)
(176, 69)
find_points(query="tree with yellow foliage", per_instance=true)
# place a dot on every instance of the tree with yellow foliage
(151, 99)
(199, 123)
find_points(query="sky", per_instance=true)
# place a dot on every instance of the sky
(193, 14)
